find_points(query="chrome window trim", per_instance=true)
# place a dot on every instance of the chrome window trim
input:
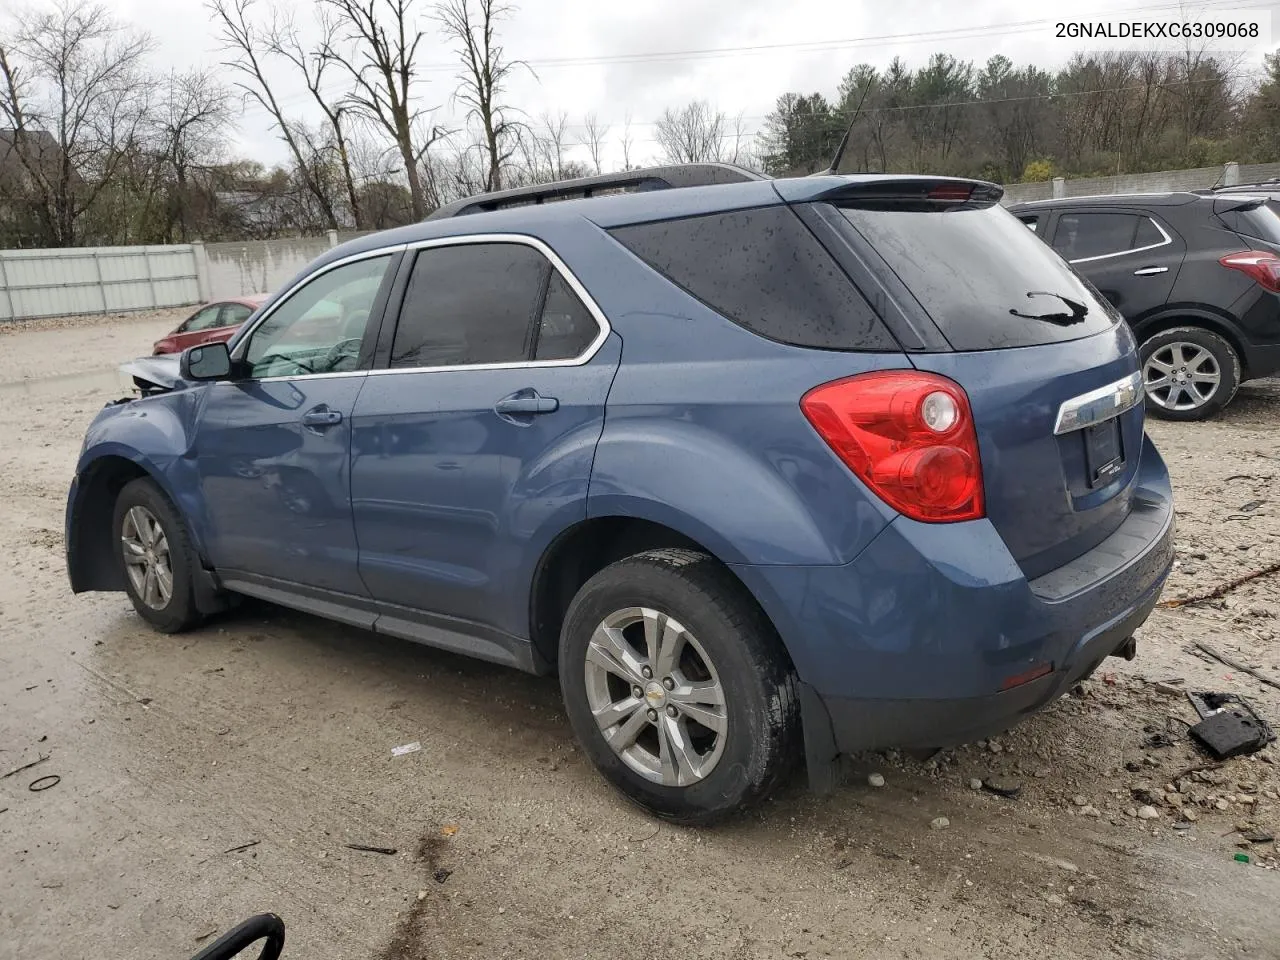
(1099, 405)
(602, 322)
(1124, 253)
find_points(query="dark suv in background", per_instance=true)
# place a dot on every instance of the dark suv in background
(1195, 274)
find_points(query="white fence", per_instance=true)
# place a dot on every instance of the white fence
(88, 280)
(54, 283)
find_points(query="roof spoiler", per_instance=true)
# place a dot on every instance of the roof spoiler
(889, 190)
(627, 181)
(1227, 203)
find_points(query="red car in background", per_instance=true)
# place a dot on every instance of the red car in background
(214, 321)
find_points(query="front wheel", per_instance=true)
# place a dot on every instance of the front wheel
(1189, 373)
(156, 556)
(678, 687)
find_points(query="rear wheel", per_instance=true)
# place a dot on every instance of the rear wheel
(1189, 373)
(156, 556)
(678, 687)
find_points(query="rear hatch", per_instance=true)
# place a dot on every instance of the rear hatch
(1023, 334)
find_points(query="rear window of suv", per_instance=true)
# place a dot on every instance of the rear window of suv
(1258, 223)
(985, 279)
(765, 271)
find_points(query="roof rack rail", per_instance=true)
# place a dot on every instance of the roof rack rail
(628, 181)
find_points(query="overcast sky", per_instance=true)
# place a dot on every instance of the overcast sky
(810, 44)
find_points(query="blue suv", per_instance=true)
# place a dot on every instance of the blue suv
(767, 471)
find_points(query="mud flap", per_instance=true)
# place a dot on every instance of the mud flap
(821, 755)
(206, 593)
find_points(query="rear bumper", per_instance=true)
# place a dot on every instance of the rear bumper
(912, 643)
(1262, 360)
(926, 724)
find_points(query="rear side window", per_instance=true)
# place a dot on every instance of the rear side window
(1148, 234)
(565, 327)
(469, 304)
(985, 279)
(489, 303)
(763, 270)
(1085, 236)
(1257, 223)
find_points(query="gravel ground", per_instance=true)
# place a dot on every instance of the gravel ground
(218, 774)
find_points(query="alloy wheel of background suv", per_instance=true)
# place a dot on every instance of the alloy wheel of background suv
(1189, 373)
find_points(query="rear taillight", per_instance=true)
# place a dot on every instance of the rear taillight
(1261, 266)
(907, 435)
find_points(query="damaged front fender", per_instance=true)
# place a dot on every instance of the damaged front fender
(158, 374)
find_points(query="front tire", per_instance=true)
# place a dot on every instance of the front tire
(678, 687)
(156, 557)
(1189, 373)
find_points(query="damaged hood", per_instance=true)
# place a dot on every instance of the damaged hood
(158, 374)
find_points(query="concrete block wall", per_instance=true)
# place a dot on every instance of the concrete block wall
(1165, 181)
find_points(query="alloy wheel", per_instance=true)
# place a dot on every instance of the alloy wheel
(656, 696)
(1181, 376)
(145, 549)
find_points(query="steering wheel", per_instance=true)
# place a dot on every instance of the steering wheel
(350, 347)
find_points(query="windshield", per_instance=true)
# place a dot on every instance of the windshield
(985, 279)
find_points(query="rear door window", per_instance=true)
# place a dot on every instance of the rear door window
(470, 304)
(486, 303)
(765, 271)
(985, 279)
(1082, 236)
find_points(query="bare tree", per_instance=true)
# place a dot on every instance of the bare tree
(485, 70)
(626, 142)
(741, 151)
(381, 57)
(75, 99)
(593, 134)
(191, 117)
(283, 40)
(693, 134)
(554, 140)
(249, 48)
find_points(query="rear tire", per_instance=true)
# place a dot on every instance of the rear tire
(1189, 373)
(697, 697)
(156, 557)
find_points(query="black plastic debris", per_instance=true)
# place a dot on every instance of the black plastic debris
(1229, 726)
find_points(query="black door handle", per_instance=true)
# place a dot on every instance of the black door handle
(526, 403)
(322, 417)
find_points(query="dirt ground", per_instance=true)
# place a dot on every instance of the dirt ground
(208, 777)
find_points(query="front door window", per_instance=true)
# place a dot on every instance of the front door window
(319, 328)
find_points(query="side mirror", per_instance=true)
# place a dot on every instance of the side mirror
(209, 361)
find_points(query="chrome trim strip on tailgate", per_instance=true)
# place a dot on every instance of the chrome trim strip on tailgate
(1099, 405)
